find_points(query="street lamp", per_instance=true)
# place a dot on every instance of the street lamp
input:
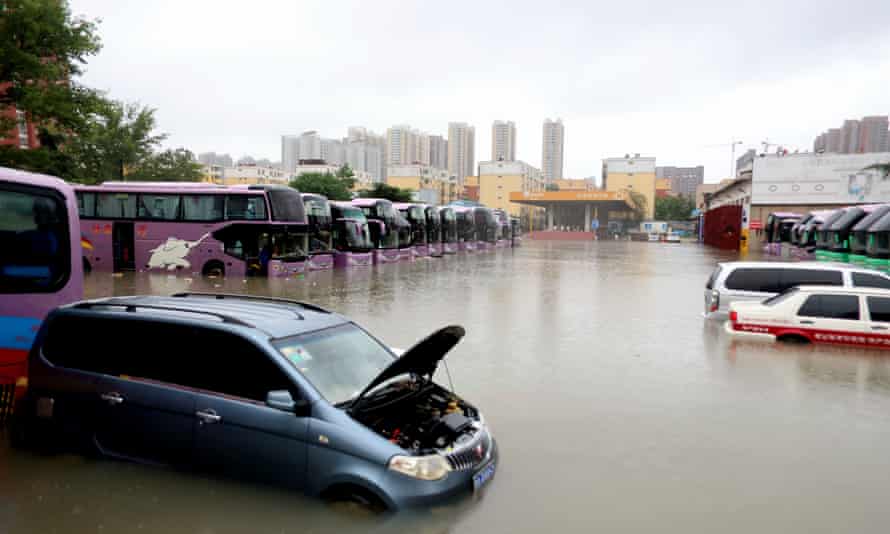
(732, 159)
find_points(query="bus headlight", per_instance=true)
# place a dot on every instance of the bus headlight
(432, 467)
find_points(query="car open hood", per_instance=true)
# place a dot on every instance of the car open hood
(421, 359)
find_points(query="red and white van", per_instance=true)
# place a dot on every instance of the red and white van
(817, 314)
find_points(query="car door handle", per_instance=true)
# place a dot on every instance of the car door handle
(806, 322)
(112, 398)
(879, 328)
(208, 416)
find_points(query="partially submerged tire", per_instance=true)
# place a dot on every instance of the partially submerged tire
(214, 268)
(795, 339)
(354, 499)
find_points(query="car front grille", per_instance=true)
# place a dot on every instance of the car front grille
(471, 454)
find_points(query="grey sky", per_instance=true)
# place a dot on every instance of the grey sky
(668, 79)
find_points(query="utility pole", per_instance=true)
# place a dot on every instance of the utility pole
(732, 159)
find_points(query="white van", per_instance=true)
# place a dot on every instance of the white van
(758, 280)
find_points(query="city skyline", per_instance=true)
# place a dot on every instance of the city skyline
(742, 89)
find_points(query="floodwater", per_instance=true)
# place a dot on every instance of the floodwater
(616, 407)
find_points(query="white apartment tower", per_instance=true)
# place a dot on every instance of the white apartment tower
(461, 150)
(400, 145)
(503, 141)
(552, 151)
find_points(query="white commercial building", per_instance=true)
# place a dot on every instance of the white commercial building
(552, 151)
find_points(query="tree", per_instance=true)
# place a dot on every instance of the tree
(882, 168)
(673, 208)
(640, 205)
(332, 186)
(43, 49)
(382, 190)
(551, 187)
(117, 140)
(171, 165)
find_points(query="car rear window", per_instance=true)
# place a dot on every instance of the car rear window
(879, 309)
(831, 307)
(713, 278)
(870, 280)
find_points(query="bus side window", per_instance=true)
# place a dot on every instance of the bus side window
(33, 233)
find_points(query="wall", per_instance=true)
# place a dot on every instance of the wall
(643, 183)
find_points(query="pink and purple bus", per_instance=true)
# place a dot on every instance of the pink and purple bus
(40, 266)
(504, 230)
(486, 228)
(433, 230)
(321, 244)
(778, 230)
(351, 236)
(193, 228)
(383, 225)
(415, 214)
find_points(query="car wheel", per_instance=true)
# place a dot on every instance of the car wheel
(355, 500)
(214, 268)
(795, 339)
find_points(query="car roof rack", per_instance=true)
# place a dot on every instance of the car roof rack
(258, 298)
(133, 307)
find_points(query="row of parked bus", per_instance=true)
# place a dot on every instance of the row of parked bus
(51, 233)
(268, 230)
(854, 234)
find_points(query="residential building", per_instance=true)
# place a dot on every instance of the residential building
(503, 141)
(662, 187)
(873, 134)
(633, 173)
(461, 150)
(430, 185)
(849, 137)
(574, 184)
(365, 152)
(400, 145)
(863, 136)
(438, 152)
(310, 146)
(683, 180)
(552, 149)
(497, 179)
(23, 135)
(212, 158)
(320, 167)
(744, 164)
(243, 174)
(290, 152)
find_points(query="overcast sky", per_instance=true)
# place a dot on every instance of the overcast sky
(670, 79)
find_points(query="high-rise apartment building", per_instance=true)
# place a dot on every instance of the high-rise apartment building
(438, 152)
(290, 152)
(552, 150)
(503, 141)
(461, 150)
(873, 134)
(212, 158)
(400, 145)
(683, 180)
(856, 137)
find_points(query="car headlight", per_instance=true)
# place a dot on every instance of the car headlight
(432, 467)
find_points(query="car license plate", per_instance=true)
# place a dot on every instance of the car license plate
(482, 476)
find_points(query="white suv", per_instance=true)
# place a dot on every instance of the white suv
(758, 280)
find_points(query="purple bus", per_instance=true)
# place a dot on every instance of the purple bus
(504, 228)
(778, 230)
(351, 236)
(450, 241)
(486, 228)
(415, 214)
(40, 266)
(193, 228)
(382, 223)
(466, 227)
(321, 243)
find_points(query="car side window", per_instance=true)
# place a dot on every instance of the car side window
(831, 307)
(233, 366)
(879, 309)
(870, 280)
(811, 277)
(758, 280)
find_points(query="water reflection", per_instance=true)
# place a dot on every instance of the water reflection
(615, 405)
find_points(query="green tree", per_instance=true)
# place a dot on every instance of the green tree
(171, 165)
(551, 187)
(117, 140)
(42, 52)
(673, 208)
(382, 190)
(333, 186)
(640, 205)
(883, 168)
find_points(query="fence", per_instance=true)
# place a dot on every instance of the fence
(722, 227)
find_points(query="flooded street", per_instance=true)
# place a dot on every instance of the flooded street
(615, 405)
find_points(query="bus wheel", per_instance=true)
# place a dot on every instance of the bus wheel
(214, 268)
(87, 268)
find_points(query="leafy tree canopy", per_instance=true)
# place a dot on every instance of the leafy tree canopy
(174, 165)
(673, 208)
(333, 186)
(382, 190)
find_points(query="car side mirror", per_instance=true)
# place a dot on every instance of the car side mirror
(281, 399)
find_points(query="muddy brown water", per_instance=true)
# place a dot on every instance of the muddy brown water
(616, 407)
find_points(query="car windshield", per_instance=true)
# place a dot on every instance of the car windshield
(340, 362)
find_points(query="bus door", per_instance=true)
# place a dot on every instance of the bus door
(123, 243)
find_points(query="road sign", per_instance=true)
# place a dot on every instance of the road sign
(595, 224)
